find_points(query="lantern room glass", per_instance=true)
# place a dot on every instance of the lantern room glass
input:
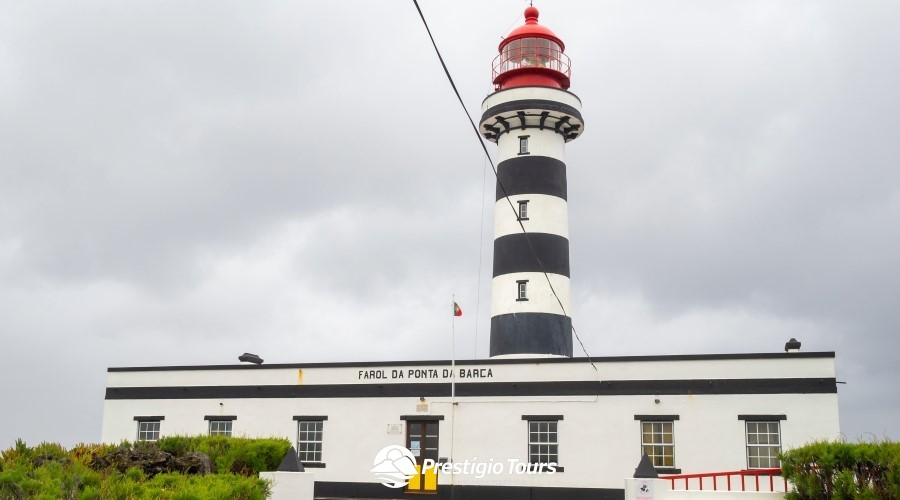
(532, 53)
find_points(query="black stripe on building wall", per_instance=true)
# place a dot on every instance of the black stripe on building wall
(220, 418)
(657, 418)
(530, 104)
(483, 389)
(531, 333)
(493, 362)
(532, 175)
(465, 492)
(512, 254)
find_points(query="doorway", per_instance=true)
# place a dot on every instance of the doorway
(422, 441)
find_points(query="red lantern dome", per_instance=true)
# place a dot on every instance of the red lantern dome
(532, 55)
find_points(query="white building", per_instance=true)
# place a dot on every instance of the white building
(692, 413)
(531, 422)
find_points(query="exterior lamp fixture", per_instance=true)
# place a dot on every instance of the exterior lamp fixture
(792, 345)
(250, 358)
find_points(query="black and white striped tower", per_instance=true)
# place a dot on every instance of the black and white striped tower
(531, 116)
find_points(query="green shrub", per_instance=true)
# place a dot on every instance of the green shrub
(247, 457)
(826, 470)
(49, 471)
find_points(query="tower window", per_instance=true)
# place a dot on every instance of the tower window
(523, 144)
(521, 290)
(523, 209)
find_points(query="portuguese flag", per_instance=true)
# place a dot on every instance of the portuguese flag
(457, 311)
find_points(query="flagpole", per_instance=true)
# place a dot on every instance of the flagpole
(452, 393)
(453, 354)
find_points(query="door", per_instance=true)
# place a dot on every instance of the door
(422, 441)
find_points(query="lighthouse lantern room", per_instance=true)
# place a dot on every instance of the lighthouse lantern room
(532, 55)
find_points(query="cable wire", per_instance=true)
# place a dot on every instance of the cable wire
(499, 183)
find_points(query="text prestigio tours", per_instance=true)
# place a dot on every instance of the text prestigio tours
(481, 469)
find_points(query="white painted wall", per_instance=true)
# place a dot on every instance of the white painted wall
(290, 485)
(546, 214)
(624, 368)
(540, 143)
(523, 93)
(540, 296)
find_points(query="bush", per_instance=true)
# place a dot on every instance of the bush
(49, 471)
(826, 470)
(247, 457)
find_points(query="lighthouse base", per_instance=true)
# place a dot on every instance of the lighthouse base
(531, 333)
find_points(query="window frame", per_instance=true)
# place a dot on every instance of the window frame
(768, 420)
(660, 421)
(521, 290)
(143, 421)
(317, 421)
(523, 210)
(220, 419)
(552, 433)
(523, 145)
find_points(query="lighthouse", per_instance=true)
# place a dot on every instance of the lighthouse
(531, 116)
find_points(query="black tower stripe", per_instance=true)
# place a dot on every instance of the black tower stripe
(532, 175)
(531, 333)
(512, 254)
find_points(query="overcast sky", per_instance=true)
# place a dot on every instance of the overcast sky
(181, 182)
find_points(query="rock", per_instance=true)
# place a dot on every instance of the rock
(192, 462)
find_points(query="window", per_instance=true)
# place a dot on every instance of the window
(763, 445)
(523, 144)
(148, 431)
(523, 209)
(543, 439)
(309, 439)
(658, 440)
(220, 425)
(522, 290)
(148, 428)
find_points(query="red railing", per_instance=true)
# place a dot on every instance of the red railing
(718, 478)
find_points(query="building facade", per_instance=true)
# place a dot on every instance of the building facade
(690, 413)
